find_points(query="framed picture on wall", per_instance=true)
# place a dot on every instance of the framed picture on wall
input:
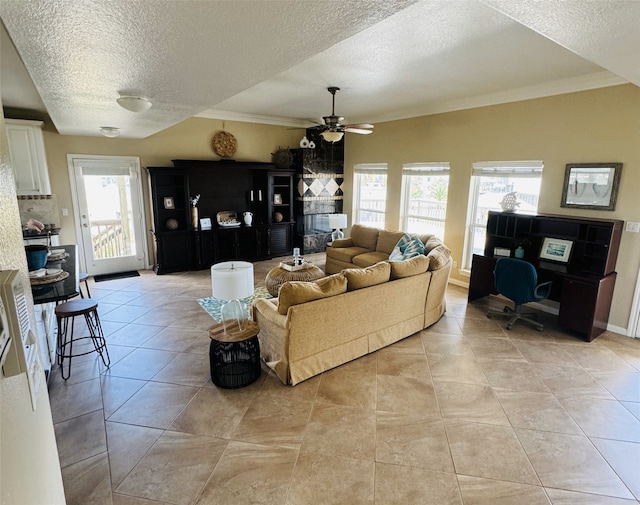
(205, 223)
(277, 199)
(591, 186)
(556, 249)
(168, 202)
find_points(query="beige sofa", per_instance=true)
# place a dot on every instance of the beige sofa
(367, 246)
(307, 338)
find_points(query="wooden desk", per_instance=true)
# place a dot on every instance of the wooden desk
(585, 301)
(583, 286)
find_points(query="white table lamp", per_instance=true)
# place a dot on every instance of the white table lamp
(232, 281)
(337, 222)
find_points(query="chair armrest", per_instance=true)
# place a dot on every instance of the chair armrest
(342, 242)
(543, 290)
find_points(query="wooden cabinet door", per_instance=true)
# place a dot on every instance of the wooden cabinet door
(175, 252)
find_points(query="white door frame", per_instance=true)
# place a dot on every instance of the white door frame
(135, 161)
(633, 328)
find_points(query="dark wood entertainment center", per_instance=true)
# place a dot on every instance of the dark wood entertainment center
(583, 285)
(224, 185)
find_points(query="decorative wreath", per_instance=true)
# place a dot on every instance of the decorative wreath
(224, 144)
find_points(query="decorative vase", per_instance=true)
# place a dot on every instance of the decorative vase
(248, 218)
(519, 253)
(194, 217)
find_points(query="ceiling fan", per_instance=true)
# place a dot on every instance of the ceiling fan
(332, 130)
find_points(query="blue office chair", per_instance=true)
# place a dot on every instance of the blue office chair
(517, 280)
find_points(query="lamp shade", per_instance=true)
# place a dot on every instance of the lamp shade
(330, 136)
(337, 221)
(232, 280)
(134, 103)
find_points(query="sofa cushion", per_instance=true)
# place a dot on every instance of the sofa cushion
(412, 266)
(296, 292)
(369, 258)
(438, 256)
(431, 243)
(387, 240)
(364, 236)
(345, 254)
(358, 278)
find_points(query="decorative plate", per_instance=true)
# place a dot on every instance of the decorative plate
(224, 144)
(283, 158)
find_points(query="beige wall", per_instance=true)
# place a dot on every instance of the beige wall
(190, 139)
(593, 126)
(29, 467)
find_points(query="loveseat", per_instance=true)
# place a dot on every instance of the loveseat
(315, 326)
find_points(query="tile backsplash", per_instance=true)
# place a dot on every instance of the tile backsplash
(43, 208)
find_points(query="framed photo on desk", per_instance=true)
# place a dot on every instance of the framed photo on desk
(556, 249)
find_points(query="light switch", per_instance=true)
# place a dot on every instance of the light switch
(65, 212)
(633, 227)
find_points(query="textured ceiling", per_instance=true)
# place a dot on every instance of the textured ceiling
(271, 61)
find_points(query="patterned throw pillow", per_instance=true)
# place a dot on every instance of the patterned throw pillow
(398, 250)
(414, 248)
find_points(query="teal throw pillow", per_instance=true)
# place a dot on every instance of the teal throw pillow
(414, 248)
(398, 251)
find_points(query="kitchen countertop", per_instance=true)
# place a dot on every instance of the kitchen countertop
(62, 290)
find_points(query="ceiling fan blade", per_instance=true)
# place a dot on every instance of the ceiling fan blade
(358, 130)
(361, 125)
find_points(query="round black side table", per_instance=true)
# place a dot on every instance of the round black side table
(234, 358)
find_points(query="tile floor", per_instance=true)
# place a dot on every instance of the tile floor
(464, 412)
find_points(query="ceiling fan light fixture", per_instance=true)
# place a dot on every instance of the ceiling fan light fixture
(110, 131)
(134, 103)
(330, 136)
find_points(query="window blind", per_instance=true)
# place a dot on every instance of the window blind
(507, 168)
(427, 168)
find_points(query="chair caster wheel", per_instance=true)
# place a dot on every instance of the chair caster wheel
(505, 310)
(539, 328)
(489, 316)
(508, 327)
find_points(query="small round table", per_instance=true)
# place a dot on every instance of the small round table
(277, 276)
(234, 358)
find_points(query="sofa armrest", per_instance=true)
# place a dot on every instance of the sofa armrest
(267, 310)
(343, 242)
(273, 337)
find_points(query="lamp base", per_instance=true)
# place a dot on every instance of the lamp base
(234, 316)
(336, 235)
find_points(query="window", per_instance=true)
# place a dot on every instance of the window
(370, 194)
(424, 198)
(490, 182)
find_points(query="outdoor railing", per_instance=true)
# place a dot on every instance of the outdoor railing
(109, 239)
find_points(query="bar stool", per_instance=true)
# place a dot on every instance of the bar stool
(82, 277)
(65, 315)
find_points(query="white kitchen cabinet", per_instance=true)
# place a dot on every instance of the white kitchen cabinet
(26, 148)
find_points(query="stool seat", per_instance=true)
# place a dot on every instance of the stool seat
(82, 277)
(65, 315)
(76, 307)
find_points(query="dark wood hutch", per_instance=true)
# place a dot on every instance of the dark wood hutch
(224, 185)
(583, 286)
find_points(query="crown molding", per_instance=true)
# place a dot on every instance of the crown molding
(253, 118)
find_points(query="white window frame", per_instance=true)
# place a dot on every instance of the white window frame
(525, 169)
(358, 209)
(424, 169)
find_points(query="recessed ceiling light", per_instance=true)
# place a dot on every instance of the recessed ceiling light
(110, 131)
(134, 103)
